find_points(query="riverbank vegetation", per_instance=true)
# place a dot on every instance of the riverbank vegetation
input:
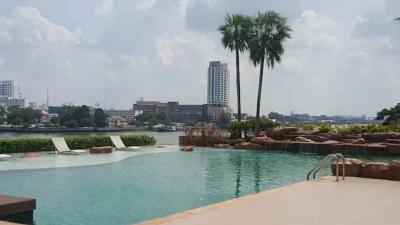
(73, 142)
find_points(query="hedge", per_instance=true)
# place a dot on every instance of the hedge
(73, 142)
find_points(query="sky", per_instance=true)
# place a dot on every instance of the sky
(343, 57)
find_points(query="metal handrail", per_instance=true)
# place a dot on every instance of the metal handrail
(337, 157)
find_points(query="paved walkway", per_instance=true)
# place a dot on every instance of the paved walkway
(355, 201)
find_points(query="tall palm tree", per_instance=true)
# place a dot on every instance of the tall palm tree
(269, 32)
(235, 34)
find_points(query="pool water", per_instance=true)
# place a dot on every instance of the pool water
(152, 185)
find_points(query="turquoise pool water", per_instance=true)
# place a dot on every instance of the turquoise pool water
(153, 185)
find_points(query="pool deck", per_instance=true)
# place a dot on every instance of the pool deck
(354, 201)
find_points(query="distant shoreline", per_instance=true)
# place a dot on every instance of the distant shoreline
(62, 130)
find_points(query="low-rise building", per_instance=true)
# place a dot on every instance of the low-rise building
(126, 114)
(175, 111)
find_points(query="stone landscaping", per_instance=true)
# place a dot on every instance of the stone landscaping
(291, 139)
(375, 170)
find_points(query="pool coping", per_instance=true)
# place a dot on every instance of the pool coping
(221, 213)
(223, 204)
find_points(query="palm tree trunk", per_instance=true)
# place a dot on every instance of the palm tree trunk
(239, 116)
(257, 126)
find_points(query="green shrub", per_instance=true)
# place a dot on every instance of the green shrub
(325, 128)
(26, 145)
(73, 142)
(305, 126)
(138, 140)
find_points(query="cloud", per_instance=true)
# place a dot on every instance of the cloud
(106, 7)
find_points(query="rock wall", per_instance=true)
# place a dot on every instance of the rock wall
(375, 170)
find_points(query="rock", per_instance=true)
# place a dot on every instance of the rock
(187, 148)
(303, 139)
(261, 140)
(380, 137)
(330, 142)
(393, 148)
(261, 134)
(280, 132)
(394, 170)
(248, 145)
(393, 141)
(340, 137)
(101, 150)
(352, 167)
(222, 146)
(354, 141)
(375, 170)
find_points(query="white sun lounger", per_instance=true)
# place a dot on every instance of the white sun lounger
(5, 157)
(62, 147)
(117, 142)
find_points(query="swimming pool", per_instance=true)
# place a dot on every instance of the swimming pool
(152, 185)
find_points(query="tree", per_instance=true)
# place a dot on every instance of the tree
(235, 34)
(389, 115)
(100, 118)
(27, 116)
(269, 32)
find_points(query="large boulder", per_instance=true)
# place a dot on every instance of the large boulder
(261, 140)
(280, 132)
(352, 167)
(303, 139)
(394, 170)
(393, 149)
(375, 170)
(187, 148)
(354, 141)
(248, 145)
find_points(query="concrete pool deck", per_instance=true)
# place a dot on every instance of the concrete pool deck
(323, 201)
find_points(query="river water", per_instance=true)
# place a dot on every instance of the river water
(162, 138)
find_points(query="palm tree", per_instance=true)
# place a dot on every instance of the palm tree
(235, 33)
(266, 44)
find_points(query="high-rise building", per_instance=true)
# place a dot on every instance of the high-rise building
(217, 91)
(218, 83)
(8, 97)
(7, 88)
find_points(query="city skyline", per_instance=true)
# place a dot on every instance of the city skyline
(111, 55)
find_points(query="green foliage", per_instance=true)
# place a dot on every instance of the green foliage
(152, 118)
(79, 116)
(389, 115)
(305, 126)
(359, 129)
(22, 116)
(138, 140)
(100, 118)
(248, 127)
(73, 142)
(26, 145)
(325, 128)
(55, 120)
(71, 123)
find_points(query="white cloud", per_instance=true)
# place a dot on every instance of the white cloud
(314, 30)
(106, 7)
(181, 48)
